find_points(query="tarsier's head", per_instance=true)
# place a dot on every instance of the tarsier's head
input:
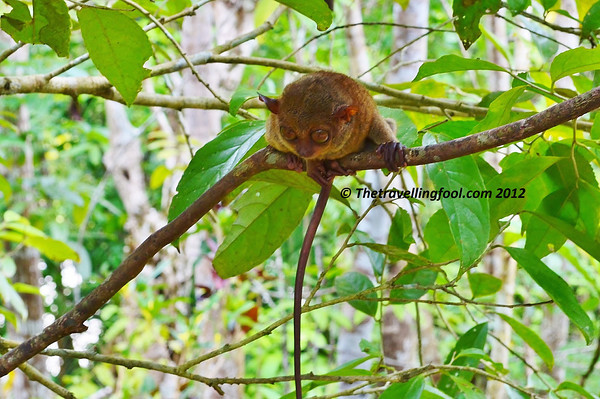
(311, 124)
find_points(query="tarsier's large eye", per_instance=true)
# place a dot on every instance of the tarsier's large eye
(287, 133)
(320, 136)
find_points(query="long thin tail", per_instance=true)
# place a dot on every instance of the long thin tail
(302, 261)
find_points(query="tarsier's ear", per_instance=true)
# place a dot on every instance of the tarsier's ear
(345, 112)
(272, 103)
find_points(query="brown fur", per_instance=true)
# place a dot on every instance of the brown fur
(314, 102)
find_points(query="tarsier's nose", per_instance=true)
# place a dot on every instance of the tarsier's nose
(305, 151)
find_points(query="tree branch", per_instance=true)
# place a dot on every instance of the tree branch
(265, 159)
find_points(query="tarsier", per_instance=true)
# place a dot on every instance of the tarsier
(319, 119)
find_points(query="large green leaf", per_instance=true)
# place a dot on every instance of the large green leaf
(11, 297)
(474, 338)
(531, 338)
(56, 250)
(5, 189)
(346, 369)
(316, 10)
(571, 386)
(118, 47)
(500, 110)
(467, 14)
(483, 284)
(213, 161)
(410, 278)
(400, 234)
(266, 216)
(238, 98)
(591, 21)
(49, 25)
(406, 131)
(512, 177)
(433, 393)
(518, 6)
(16, 228)
(394, 253)
(438, 235)
(469, 217)
(454, 63)
(410, 389)
(574, 61)
(581, 239)
(352, 283)
(297, 180)
(541, 237)
(556, 288)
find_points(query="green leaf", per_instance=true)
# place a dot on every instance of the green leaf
(23, 288)
(376, 258)
(118, 47)
(574, 61)
(582, 240)
(512, 177)
(595, 133)
(400, 234)
(591, 21)
(370, 348)
(30, 236)
(56, 33)
(483, 284)
(213, 161)
(55, 250)
(406, 131)
(500, 110)
(410, 389)
(438, 235)
(474, 338)
(266, 216)
(467, 14)
(18, 23)
(469, 217)
(422, 277)
(466, 387)
(8, 267)
(49, 25)
(531, 338)
(352, 283)
(453, 63)
(518, 6)
(541, 238)
(239, 98)
(316, 10)
(394, 252)
(548, 4)
(5, 189)
(346, 369)
(571, 386)
(11, 297)
(9, 316)
(433, 393)
(301, 181)
(556, 288)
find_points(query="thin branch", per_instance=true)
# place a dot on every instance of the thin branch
(265, 159)
(34, 374)
(592, 365)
